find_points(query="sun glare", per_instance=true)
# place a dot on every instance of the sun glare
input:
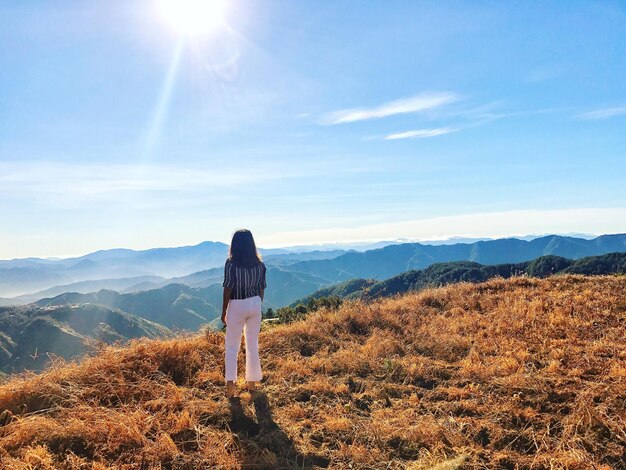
(193, 16)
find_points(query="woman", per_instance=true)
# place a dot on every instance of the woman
(244, 287)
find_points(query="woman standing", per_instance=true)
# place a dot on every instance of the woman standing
(244, 287)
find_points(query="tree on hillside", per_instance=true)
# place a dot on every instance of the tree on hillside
(290, 314)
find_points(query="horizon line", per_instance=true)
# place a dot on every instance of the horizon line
(338, 243)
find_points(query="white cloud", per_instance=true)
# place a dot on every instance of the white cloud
(79, 185)
(414, 104)
(83, 185)
(94, 179)
(487, 225)
(604, 113)
(420, 133)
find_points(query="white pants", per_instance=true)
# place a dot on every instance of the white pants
(243, 315)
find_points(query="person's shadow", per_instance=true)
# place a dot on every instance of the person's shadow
(265, 434)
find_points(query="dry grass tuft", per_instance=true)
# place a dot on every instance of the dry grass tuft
(521, 373)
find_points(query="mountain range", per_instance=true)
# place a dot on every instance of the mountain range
(296, 271)
(30, 336)
(440, 274)
(67, 323)
(120, 269)
(130, 271)
(394, 259)
(24, 276)
(187, 306)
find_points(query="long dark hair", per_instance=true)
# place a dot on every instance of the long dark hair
(243, 250)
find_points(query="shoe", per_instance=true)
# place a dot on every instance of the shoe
(230, 389)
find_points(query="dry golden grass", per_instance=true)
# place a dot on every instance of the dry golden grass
(521, 373)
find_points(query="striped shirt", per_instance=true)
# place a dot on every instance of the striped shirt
(245, 282)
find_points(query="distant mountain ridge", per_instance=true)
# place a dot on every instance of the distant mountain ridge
(175, 306)
(316, 268)
(395, 259)
(468, 271)
(85, 287)
(23, 277)
(188, 307)
(19, 277)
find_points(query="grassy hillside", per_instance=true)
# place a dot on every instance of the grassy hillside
(518, 373)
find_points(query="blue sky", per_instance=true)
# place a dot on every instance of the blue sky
(308, 122)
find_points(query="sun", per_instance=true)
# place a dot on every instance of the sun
(193, 16)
